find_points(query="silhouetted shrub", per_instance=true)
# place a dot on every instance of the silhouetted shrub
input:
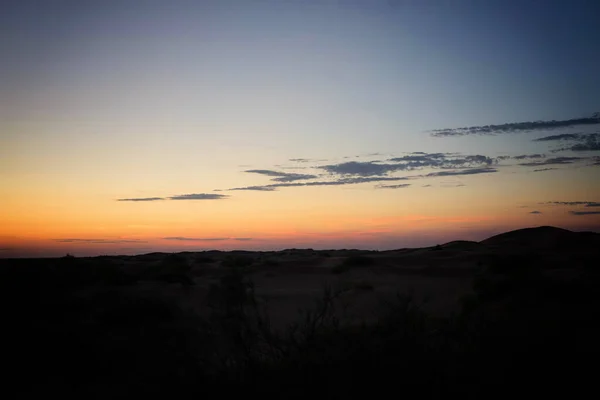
(353, 261)
(237, 261)
(364, 285)
(121, 341)
(204, 259)
(340, 268)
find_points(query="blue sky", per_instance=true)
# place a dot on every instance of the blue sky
(152, 98)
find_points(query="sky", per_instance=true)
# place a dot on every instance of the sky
(128, 127)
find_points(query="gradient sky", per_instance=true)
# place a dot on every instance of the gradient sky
(137, 126)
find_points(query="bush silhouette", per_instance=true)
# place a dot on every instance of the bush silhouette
(353, 261)
(123, 340)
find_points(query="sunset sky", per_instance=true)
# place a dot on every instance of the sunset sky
(135, 126)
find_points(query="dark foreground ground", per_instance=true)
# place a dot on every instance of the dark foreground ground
(513, 313)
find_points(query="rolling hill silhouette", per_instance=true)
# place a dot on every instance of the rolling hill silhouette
(457, 318)
(544, 238)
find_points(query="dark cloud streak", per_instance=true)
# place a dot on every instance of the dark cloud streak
(199, 196)
(281, 176)
(552, 161)
(584, 212)
(409, 163)
(215, 239)
(339, 182)
(143, 199)
(473, 171)
(574, 203)
(400, 186)
(98, 241)
(515, 127)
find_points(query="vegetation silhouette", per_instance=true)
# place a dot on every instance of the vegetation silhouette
(99, 327)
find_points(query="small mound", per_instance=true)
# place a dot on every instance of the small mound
(462, 245)
(543, 236)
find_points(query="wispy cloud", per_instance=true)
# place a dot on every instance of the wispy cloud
(529, 156)
(339, 182)
(588, 143)
(98, 241)
(514, 127)
(264, 188)
(562, 136)
(553, 161)
(473, 171)
(409, 162)
(209, 239)
(579, 141)
(281, 176)
(574, 203)
(400, 186)
(451, 185)
(192, 196)
(306, 160)
(143, 199)
(584, 212)
(544, 169)
(369, 168)
(442, 160)
(535, 212)
(199, 196)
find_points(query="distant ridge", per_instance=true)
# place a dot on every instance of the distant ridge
(543, 237)
(462, 245)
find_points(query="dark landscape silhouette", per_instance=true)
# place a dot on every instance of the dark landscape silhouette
(516, 310)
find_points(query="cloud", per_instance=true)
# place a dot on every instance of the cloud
(302, 160)
(265, 188)
(339, 182)
(473, 171)
(584, 212)
(281, 176)
(191, 239)
(452, 184)
(544, 169)
(515, 127)
(442, 160)
(199, 196)
(590, 143)
(535, 212)
(468, 161)
(98, 241)
(420, 156)
(194, 196)
(529, 156)
(408, 163)
(400, 186)
(580, 141)
(209, 239)
(552, 161)
(574, 203)
(143, 199)
(564, 136)
(367, 172)
(369, 168)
